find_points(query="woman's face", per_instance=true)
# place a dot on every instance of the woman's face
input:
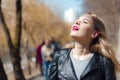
(83, 27)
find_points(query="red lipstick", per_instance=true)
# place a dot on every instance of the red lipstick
(75, 28)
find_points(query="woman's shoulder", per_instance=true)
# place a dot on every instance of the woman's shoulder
(103, 58)
(62, 52)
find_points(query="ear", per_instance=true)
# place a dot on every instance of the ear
(95, 34)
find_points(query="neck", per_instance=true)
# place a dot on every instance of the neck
(81, 48)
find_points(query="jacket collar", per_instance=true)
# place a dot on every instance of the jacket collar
(93, 64)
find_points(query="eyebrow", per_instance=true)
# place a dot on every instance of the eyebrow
(85, 19)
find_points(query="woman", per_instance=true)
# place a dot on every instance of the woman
(47, 52)
(92, 58)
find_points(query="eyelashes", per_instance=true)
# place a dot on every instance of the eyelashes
(78, 22)
(85, 22)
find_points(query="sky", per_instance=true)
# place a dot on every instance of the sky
(69, 9)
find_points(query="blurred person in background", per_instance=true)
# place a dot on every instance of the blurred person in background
(56, 45)
(47, 52)
(92, 57)
(39, 56)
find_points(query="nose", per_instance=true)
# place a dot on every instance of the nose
(78, 23)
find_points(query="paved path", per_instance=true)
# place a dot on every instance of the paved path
(37, 78)
(42, 78)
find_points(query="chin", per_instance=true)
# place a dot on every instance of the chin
(76, 37)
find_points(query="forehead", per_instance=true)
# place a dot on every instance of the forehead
(87, 17)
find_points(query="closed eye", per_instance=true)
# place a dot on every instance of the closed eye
(85, 22)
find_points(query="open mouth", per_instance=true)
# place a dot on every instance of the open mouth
(75, 28)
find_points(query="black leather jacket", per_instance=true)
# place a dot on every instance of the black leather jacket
(99, 68)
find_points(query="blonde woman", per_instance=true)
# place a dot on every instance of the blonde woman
(92, 57)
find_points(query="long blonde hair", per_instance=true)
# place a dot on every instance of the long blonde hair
(101, 44)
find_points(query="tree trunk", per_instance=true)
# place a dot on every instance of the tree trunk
(14, 48)
(16, 64)
(2, 72)
(16, 52)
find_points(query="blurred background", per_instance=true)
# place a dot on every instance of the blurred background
(25, 24)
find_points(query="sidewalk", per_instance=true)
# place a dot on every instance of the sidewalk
(35, 73)
(38, 77)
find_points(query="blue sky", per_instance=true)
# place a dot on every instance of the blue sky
(66, 6)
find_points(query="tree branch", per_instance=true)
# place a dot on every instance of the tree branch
(5, 28)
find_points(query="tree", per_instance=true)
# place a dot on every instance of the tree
(14, 46)
(2, 71)
(40, 21)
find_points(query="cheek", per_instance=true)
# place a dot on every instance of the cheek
(86, 31)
